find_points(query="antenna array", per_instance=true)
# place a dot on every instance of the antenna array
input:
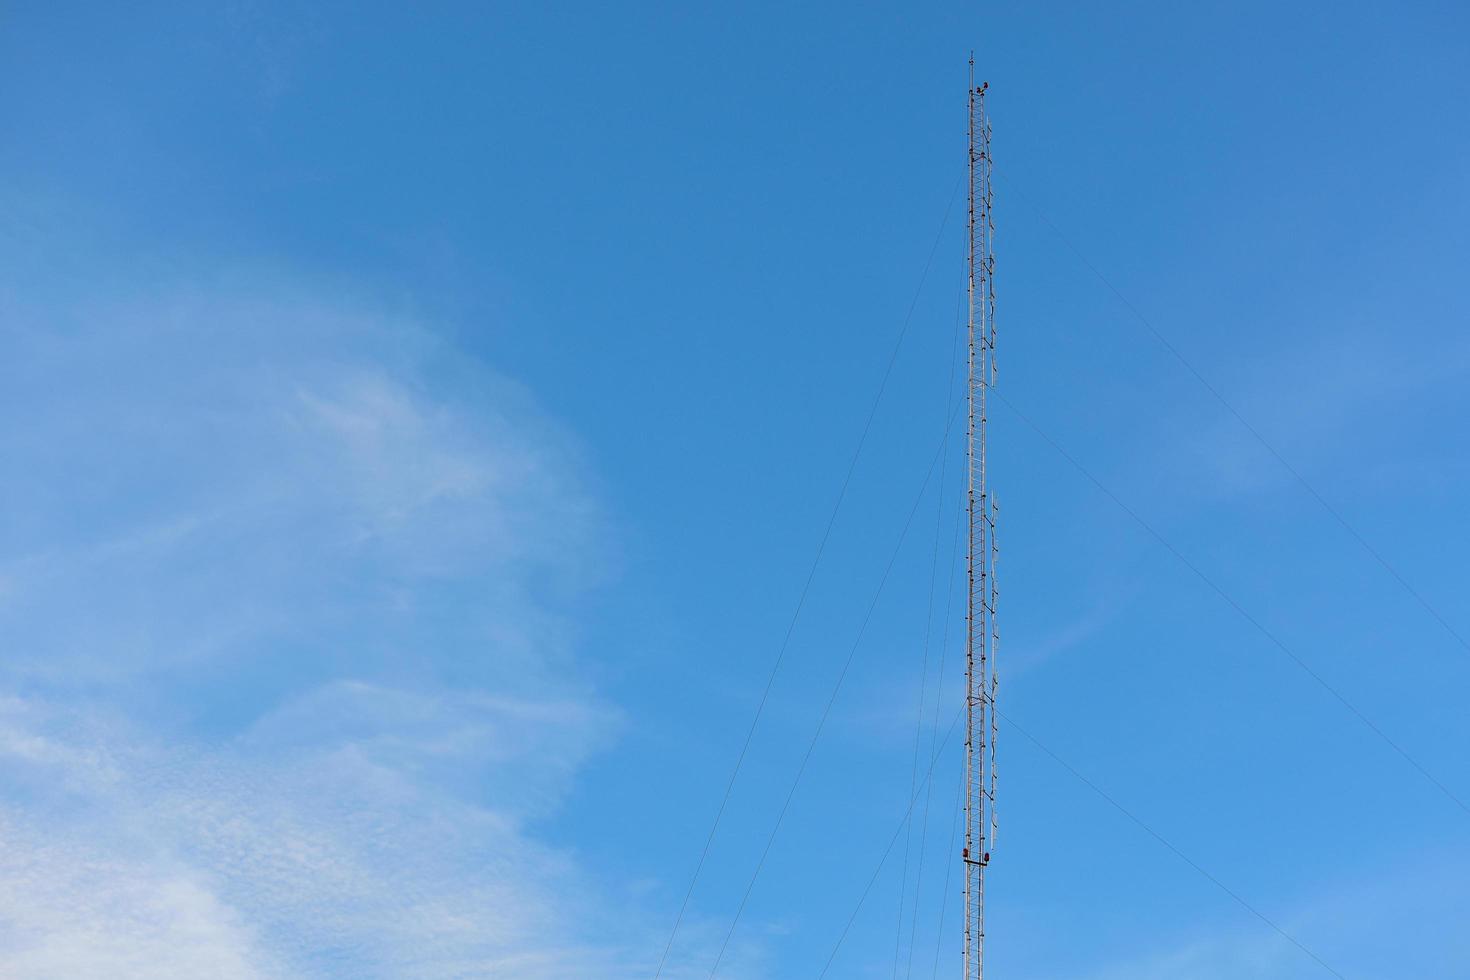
(981, 635)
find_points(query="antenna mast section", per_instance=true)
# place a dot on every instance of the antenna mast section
(981, 554)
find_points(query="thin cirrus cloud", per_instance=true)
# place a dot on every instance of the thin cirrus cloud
(1418, 901)
(284, 612)
(1314, 403)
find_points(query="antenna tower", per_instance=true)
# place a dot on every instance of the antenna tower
(981, 636)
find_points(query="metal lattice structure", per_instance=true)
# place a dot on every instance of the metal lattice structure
(981, 635)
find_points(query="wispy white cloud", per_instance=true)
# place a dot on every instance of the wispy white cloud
(329, 855)
(1315, 403)
(1060, 639)
(285, 612)
(1420, 901)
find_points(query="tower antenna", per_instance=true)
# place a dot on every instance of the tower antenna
(981, 637)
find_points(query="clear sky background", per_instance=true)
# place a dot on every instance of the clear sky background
(417, 423)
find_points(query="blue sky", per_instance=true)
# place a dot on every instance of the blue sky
(418, 427)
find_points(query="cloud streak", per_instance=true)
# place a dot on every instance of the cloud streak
(284, 602)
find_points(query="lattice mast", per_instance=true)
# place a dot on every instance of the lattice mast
(981, 639)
